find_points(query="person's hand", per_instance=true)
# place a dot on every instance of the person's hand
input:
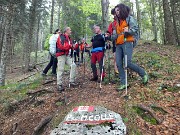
(126, 29)
(107, 34)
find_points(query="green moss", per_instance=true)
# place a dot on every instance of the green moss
(146, 116)
(154, 60)
(155, 75)
(59, 103)
(159, 109)
(173, 89)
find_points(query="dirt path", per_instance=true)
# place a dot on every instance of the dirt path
(26, 115)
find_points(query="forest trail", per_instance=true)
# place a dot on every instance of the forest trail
(21, 115)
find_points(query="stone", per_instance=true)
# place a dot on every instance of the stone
(91, 120)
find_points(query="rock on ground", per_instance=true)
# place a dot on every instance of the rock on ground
(91, 120)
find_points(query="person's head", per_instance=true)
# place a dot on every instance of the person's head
(113, 11)
(122, 11)
(67, 31)
(83, 40)
(97, 29)
(74, 41)
(57, 31)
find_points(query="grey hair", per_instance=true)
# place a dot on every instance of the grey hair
(66, 28)
(96, 26)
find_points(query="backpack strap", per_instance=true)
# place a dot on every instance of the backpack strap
(127, 21)
(101, 35)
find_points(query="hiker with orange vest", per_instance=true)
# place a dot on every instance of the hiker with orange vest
(83, 49)
(111, 27)
(64, 54)
(124, 45)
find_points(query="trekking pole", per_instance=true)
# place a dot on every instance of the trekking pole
(102, 70)
(126, 96)
(109, 65)
(84, 62)
(72, 62)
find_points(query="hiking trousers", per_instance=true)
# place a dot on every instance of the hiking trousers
(62, 60)
(127, 48)
(97, 56)
(52, 63)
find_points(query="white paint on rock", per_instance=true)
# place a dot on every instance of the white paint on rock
(91, 122)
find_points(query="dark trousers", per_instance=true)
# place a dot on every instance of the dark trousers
(52, 63)
(82, 54)
(97, 56)
(76, 56)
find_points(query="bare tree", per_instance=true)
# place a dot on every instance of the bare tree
(153, 19)
(59, 9)
(175, 6)
(138, 16)
(3, 54)
(169, 27)
(6, 39)
(29, 44)
(105, 7)
(52, 16)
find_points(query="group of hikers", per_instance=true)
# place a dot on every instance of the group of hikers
(122, 32)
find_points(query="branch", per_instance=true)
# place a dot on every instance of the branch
(42, 123)
(47, 82)
(26, 77)
(151, 112)
(38, 91)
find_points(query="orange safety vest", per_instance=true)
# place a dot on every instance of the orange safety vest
(120, 29)
(82, 46)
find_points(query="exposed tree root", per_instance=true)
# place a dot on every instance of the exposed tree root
(41, 124)
(151, 112)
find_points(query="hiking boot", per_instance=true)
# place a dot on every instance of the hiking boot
(60, 88)
(73, 84)
(43, 74)
(145, 79)
(94, 78)
(122, 87)
(52, 74)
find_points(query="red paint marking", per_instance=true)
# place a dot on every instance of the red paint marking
(89, 122)
(75, 109)
(91, 109)
(84, 108)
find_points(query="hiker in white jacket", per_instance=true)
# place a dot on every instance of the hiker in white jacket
(52, 50)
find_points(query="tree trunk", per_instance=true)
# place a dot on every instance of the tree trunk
(2, 24)
(3, 57)
(52, 16)
(59, 9)
(138, 17)
(169, 27)
(29, 40)
(105, 6)
(153, 19)
(37, 41)
(175, 6)
(162, 32)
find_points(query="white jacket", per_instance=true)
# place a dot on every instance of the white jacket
(52, 42)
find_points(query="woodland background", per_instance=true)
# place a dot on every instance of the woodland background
(26, 98)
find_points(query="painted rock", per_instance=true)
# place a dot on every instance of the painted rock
(91, 120)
